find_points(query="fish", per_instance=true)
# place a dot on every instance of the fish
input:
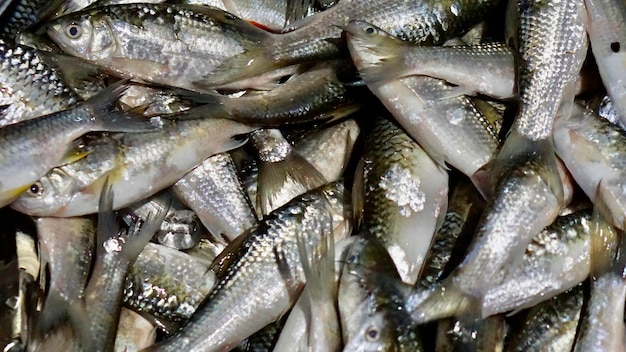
(604, 22)
(98, 316)
(271, 246)
(318, 37)
(601, 326)
(31, 87)
(173, 45)
(283, 172)
(166, 286)
(19, 15)
(487, 68)
(316, 94)
(405, 195)
(133, 332)
(216, 193)
(471, 335)
(551, 325)
(142, 165)
(590, 148)
(417, 104)
(371, 306)
(23, 160)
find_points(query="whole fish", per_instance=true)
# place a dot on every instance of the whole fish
(257, 285)
(141, 165)
(405, 195)
(24, 160)
(174, 45)
(30, 86)
(316, 94)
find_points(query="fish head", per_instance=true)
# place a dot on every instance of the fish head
(368, 44)
(86, 35)
(48, 195)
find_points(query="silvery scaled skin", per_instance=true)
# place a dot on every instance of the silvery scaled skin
(405, 196)
(265, 273)
(142, 165)
(552, 44)
(174, 45)
(167, 285)
(551, 325)
(215, 192)
(607, 34)
(30, 87)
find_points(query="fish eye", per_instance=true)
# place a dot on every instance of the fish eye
(36, 189)
(371, 334)
(369, 30)
(73, 31)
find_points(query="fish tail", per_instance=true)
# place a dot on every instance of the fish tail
(444, 301)
(102, 108)
(273, 176)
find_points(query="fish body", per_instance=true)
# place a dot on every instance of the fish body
(174, 45)
(591, 148)
(142, 165)
(24, 158)
(607, 35)
(30, 87)
(256, 286)
(405, 196)
(215, 192)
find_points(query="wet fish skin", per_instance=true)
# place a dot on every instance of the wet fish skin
(216, 193)
(418, 103)
(488, 68)
(221, 322)
(371, 304)
(551, 325)
(174, 45)
(317, 94)
(471, 335)
(405, 195)
(167, 285)
(18, 15)
(142, 165)
(605, 25)
(552, 44)
(24, 97)
(24, 158)
(556, 260)
(592, 149)
(428, 23)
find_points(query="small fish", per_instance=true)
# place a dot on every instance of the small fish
(142, 165)
(173, 45)
(24, 158)
(259, 283)
(463, 138)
